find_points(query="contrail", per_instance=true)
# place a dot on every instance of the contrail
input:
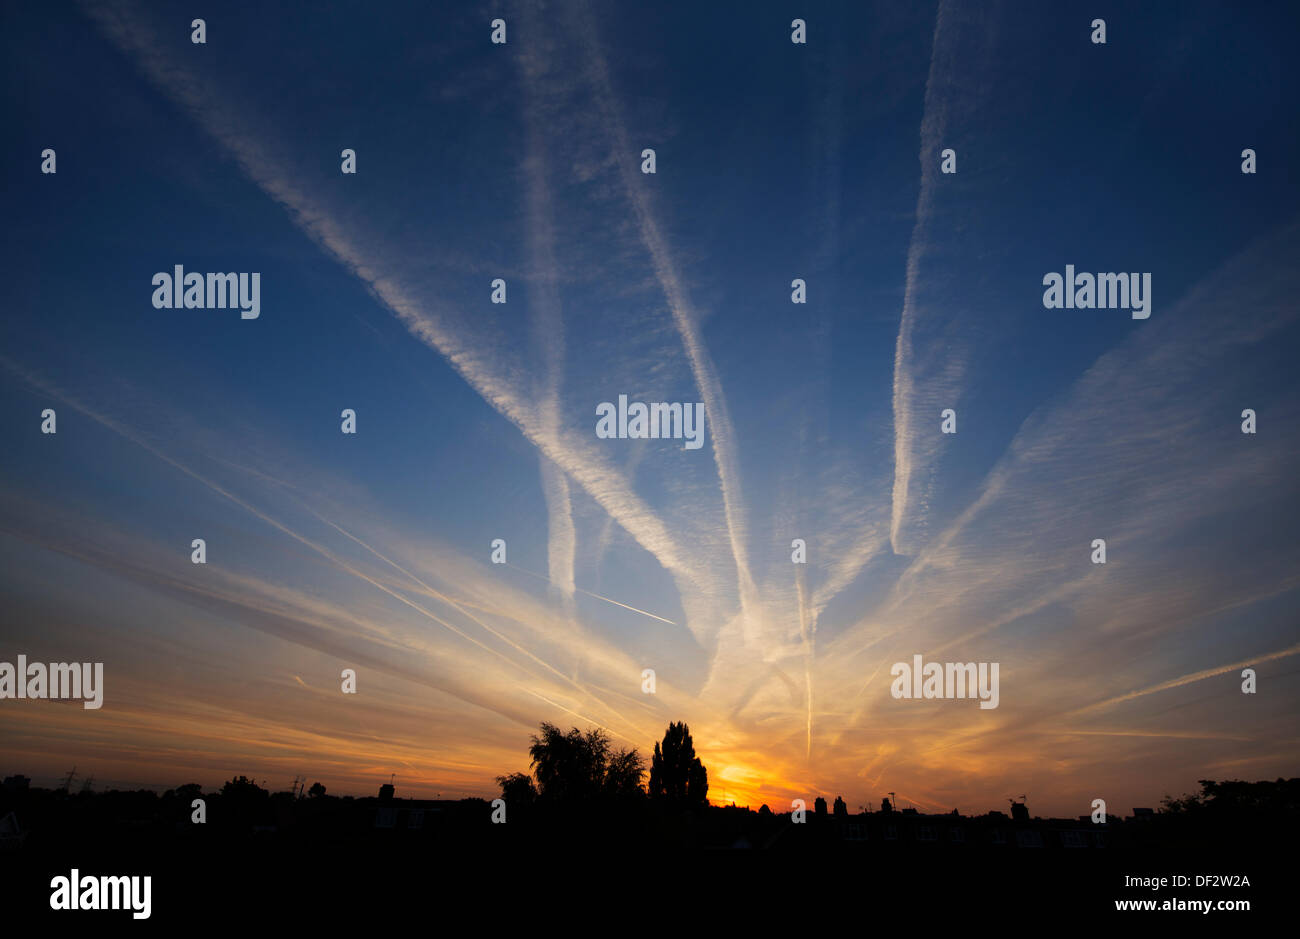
(580, 716)
(808, 633)
(126, 433)
(596, 595)
(582, 464)
(931, 372)
(547, 327)
(903, 386)
(497, 633)
(1189, 679)
(1137, 733)
(684, 318)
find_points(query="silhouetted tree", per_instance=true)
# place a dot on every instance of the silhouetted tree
(576, 766)
(885, 806)
(623, 775)
(241, 787)
(244, 801)
(840, 810)
(764, 810)
(1234, 798)
(676, 774)
(1183, 805)
(316, 790)
(819, 806)
(517, 789)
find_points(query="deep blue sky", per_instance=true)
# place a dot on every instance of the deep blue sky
(476, 420)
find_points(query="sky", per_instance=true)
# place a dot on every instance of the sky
(476, 420)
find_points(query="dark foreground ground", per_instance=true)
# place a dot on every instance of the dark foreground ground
(402, 864)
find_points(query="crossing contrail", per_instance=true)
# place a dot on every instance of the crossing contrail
(596, 595)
